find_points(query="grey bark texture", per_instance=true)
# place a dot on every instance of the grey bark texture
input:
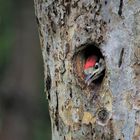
(109, 109)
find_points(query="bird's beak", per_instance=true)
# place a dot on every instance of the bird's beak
(90, 77)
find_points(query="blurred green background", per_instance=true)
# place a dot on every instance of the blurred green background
(23, 105)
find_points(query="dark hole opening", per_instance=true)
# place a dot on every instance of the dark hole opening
(81, 58)
(90, 50)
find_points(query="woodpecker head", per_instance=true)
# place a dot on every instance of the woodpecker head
(93, 68)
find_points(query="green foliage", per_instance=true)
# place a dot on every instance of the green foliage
(41, 125)
(5, 33)
(41, 130)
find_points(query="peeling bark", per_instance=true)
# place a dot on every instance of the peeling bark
(108, 108)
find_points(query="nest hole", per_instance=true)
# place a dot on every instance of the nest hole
(80, 59)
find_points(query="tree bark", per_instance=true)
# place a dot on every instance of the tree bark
(109, 108)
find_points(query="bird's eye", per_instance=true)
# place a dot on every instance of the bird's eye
(96, 66)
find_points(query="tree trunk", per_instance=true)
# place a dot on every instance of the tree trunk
(108, 108)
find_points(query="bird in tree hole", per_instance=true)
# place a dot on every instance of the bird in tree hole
(93, 68)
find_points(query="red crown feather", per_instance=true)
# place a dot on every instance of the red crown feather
(90, 62)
